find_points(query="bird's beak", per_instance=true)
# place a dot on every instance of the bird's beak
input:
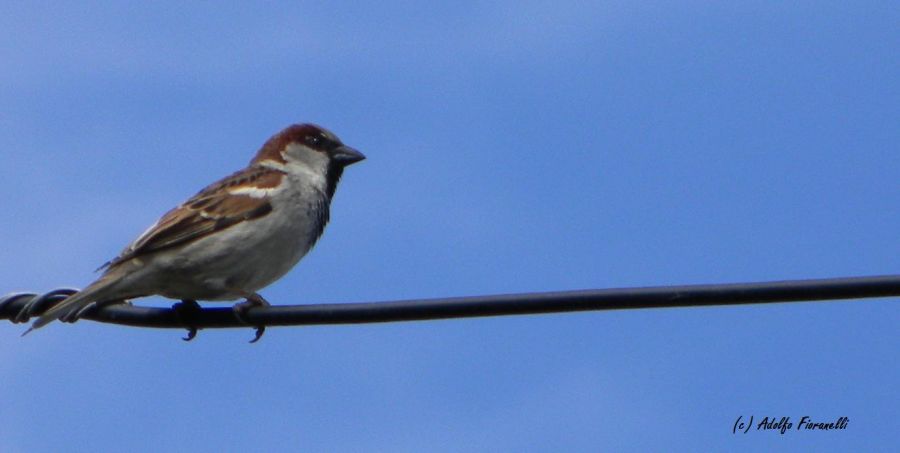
(346, 155)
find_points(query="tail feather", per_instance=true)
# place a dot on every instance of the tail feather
(96, 292)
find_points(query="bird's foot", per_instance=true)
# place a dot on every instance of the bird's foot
(186, 312)
(240, 310)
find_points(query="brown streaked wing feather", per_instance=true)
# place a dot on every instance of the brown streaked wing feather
(212, 209)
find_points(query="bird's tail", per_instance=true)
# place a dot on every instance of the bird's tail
(96, 292)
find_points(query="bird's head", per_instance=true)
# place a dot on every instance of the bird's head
(308, 148)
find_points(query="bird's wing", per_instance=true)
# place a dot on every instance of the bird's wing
(237, 198)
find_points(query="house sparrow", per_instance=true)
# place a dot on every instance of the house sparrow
(234, 237)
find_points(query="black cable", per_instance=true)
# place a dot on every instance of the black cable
(20, 307)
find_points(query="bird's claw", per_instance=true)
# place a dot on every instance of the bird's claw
(260, 330)
(253, 300)
(192, 333)
(185, 311)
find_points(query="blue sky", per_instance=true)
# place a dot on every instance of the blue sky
(513, 147)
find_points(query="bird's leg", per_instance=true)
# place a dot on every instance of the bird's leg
(240, 309)
(186, 311)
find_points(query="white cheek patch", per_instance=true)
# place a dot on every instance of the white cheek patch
(300, 155)
(310, 165)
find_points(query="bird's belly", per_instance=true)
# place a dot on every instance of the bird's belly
(241, 259)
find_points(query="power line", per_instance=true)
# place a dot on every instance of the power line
(20, 307)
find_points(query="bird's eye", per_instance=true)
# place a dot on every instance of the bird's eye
(315, 141)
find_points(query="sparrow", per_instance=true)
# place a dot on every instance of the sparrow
(233, 238)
